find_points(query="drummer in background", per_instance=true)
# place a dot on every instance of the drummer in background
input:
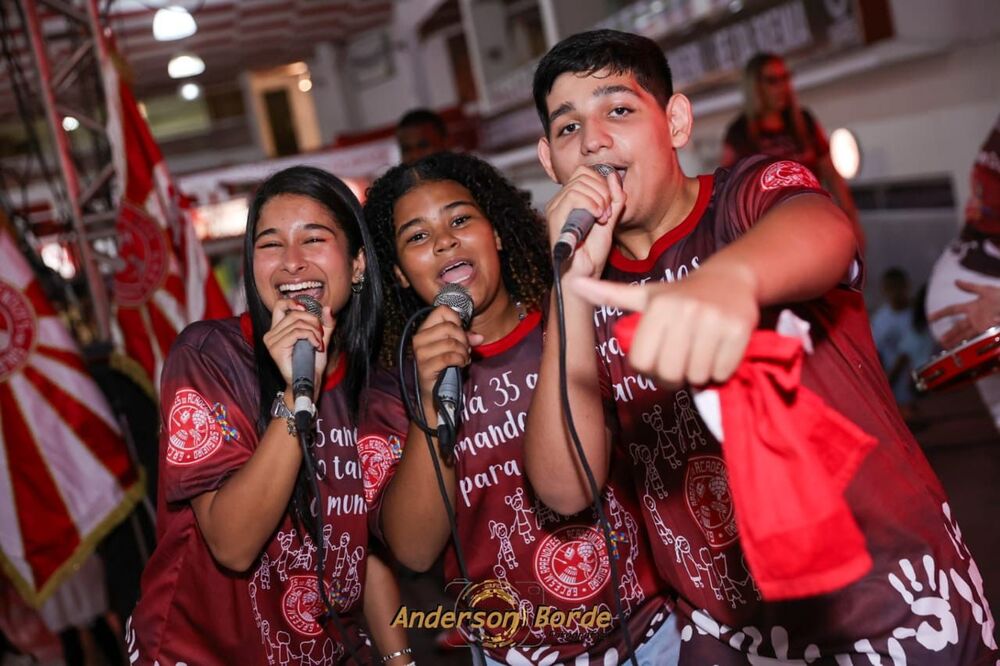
(963, 297)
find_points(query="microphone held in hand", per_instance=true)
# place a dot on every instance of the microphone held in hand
(578, 223)
(304, 369)
(448, 388)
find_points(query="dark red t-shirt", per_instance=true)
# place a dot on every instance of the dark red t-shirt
(924, 596)
(192, 610)
(506, 532)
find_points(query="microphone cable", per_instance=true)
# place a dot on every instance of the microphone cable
(416, 414)
(305, 424)
(306, 440)
(557, 262)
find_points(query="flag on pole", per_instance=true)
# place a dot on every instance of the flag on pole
(65, 475)
(163, 281)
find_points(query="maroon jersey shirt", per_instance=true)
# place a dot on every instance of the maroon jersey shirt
(923, 601)
(782, 144)
(192, 610)
(507, 533)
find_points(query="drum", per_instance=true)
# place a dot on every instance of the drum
(972, 359)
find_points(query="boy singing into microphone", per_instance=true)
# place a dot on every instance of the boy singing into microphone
(710, 260)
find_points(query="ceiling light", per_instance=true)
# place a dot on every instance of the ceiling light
(190, 91)
(845, 153)
(70, 123)
(185, 65)
(172, 23)
(305, 85)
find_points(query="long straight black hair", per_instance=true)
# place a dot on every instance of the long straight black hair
(359, 323)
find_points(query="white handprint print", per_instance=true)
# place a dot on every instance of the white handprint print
(980, 609)
(981, 613)
(936, 603)
(954, 532)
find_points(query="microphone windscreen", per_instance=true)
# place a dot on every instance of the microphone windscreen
(311, 305)
(457, 298)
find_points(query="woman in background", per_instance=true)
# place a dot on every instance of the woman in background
(773, 123)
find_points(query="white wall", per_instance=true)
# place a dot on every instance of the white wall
(936, 21)
(433, 87)
(211, 159)
(336, 107)
(573, 16)
(384, 103)
(441, 91)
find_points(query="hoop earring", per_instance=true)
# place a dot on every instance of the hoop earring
(356, 287)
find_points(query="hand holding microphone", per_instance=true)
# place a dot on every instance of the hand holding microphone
(442, 348)
(297, 340)
(303, 368)
(593, 194)
(448, 388)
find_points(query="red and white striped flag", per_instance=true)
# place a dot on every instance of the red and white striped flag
(65, 475)
(164, 281)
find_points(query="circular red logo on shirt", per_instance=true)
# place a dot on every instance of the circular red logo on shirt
(572, 563)
(194, 432)
(377, 459)
(787, 174)
(301, 605)
(706, 489)
(142, 247)
(17, 330)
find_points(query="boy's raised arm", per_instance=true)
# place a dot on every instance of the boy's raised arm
(696, 330)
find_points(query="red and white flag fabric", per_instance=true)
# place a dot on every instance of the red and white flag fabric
(65, 475)
(163, 281)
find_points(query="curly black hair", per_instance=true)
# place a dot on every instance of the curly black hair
(524, 265)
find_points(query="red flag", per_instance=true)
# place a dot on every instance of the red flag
(163, 281)
(65, 475)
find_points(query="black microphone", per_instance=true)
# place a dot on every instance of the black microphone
(304, 369)
(578, 223)
(448, 388)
